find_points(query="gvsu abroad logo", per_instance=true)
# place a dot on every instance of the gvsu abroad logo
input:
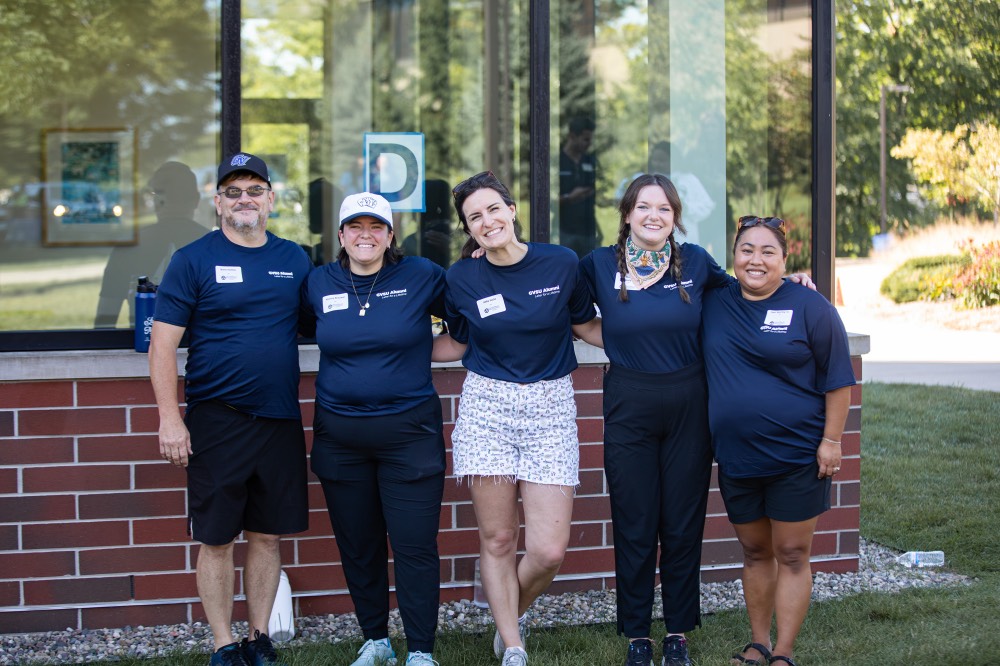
(774, 329)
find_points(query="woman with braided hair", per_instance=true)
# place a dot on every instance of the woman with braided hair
(657, 447)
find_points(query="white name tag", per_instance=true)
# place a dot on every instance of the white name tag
(334, 302)
(778, 317)
(228, 274)
(629, 285)
(491, 305)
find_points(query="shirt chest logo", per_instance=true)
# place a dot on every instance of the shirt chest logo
(228, 274)
(491, 305)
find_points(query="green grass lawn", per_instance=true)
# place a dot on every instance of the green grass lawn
(929, 482)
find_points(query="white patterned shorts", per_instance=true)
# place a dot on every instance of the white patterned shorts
(520, 431)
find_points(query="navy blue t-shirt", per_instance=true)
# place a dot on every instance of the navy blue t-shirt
(769, 366)
(655, 331)
(516, 319)
(379, 363)
(241, 308)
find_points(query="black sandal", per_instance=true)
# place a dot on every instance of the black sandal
(779, 657)
(765, 655)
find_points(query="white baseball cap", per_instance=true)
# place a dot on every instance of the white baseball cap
(365, 204)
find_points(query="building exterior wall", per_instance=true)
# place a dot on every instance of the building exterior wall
(93, 527)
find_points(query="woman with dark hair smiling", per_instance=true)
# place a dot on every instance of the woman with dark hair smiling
(779, 384)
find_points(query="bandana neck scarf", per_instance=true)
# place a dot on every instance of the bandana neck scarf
(646, 267)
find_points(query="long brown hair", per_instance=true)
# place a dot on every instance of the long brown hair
(625, 208)
(481, 181)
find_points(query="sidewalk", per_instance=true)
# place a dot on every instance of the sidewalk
(914, 349)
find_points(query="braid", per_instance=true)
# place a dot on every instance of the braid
(675, 268)
(622, 268)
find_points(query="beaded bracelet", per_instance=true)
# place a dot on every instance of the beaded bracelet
(832, 441)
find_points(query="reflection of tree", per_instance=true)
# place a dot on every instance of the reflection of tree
(78, 63)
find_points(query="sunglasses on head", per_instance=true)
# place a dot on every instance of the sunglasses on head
(233, 192)
(480, 180)
(775, 223)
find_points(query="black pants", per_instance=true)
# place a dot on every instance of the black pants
(385, 475)
(658, 461)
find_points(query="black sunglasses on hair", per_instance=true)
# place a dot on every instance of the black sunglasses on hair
(775, 223)
(479, 180)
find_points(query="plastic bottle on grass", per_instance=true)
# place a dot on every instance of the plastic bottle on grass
(922, 558)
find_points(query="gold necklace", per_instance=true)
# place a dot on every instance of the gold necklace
(365, 306)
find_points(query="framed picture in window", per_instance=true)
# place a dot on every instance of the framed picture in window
(89, 194)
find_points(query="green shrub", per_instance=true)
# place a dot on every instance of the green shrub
(924, 278)
(978, 284)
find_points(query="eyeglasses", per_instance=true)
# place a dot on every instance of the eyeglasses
(775, 223)
(233, 192)
(480, 180)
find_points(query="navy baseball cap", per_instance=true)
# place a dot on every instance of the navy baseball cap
(242, 162)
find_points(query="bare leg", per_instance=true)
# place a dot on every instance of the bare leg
(548, 510)
(792, 545)
(759, 580)
(260, 578)
(215, 576)
(495, 502)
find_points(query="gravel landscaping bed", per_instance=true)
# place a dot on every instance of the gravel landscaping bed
(878, 572)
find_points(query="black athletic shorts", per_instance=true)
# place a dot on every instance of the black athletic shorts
(246, 473)
(790, 497)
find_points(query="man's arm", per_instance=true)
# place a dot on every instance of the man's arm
(175, 441)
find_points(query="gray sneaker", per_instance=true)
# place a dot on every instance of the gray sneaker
(514, 656)
(522, 628)
(376, 653)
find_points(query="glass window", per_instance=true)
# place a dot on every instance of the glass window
(109, 120)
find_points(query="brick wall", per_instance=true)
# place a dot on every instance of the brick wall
(92, 521)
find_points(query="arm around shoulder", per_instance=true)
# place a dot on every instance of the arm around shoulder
(590, 332)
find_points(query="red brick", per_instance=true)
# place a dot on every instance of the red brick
(856, 395)
(455, 491)
(8, 481)
(134, 615)
(336, 604)
(166, 586)
(591, 482)
(592, 456)
(848, 493)
(850, 444)
(239, 612)
(77, 590)
(575, 585)
(10, 595)
(591, 508)
(316, 577)
(453, 594)
(74, 535)
(848, 565)
(824, 543)
(160, 530)
(26, 395)
(41, 451)
(588, 378)
(721, 552)
(849, 543)
(449, 382)
(589, 560)
(115, 392)
(123, 448)
(465, 516)
(132, 559)
(37, 565)
(37, 508)
(719, 527)
(716, 505)
(8, 538)
(159, 475)
(142, 420)
(307, 386)
(319, 524)
(133, 505)
(586, 535)
(839, 518)
(71, 421)
(69, 478)
(6, 424)
(723, 575)
(465, 568)
(23, 622)
(853, 423)
(317, 551)
(447, 409)
(308, 412)
(590, 430)
(589, 404)
(857, 365)
(459, 542)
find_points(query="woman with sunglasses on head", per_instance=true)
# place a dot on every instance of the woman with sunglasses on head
(779, 376)
(378, 446)
(510, 314)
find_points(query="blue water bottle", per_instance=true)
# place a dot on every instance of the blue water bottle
(145, 305)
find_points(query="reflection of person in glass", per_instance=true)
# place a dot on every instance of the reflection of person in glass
(778, 452)
(174, 195)
(577, 186)
(378, 443)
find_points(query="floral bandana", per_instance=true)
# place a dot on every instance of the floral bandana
(646, 267)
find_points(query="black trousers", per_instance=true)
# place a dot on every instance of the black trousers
(658, 462)
(384, 475)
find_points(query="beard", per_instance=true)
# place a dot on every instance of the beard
(244, 226)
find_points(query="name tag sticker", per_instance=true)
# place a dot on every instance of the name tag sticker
(491, 305)
(629, 285)
(778, 317)
(334, 302)
(228, 274)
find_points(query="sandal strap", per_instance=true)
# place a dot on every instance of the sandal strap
(779, 657)
(765, 654)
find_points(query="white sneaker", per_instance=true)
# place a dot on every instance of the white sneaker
(376, 653)
(522, 628)
(514, 656)
(421, 659)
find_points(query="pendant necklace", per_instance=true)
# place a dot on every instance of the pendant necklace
(365, 306)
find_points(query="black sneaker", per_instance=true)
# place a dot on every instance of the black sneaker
(260, 651)
(229, 655)
(675, 651)
(640, 653)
